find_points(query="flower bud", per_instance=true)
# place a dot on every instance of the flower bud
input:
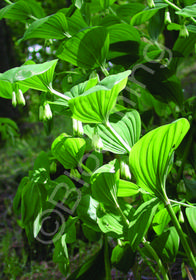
(47, 113)
(151, 3)
(181, 217)
(14, 101)
(184, 33)
(20, 98)
(124, 170)
(167, 19)
(77, 128)
(97, 142)
(41, 113)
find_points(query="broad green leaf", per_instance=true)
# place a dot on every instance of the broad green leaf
(106, 3)
(188, 11)
(36, 76)
(151, 157)
(22, 10)
(82, 87)
(110, 222)
(191, 28)
(30, 203)
(6, 89)
(68, 151)
(146, 14)
(166, 245)
(156, 25)
(91, 234)
(42, 161)
(162, 219)
(76, 22)
(127, 125)
(127, 188)
(174, 26)
(166, 86)
(182, 48)
(104, 183)
(141, 221)
(123, 32)
(129, 10)
(123, 257)
(95, 105)
(191, 216)
(86, 211)
(50, 27)
(109, 20)
(88, 48)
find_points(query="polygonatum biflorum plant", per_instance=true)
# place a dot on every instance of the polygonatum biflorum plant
(119, 86)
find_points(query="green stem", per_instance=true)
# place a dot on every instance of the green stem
(181, 234)
(32, 17)
(177, 8)
(156, 258)
(59, 94)
(8, 2)
(86, 168)
(149, 264)
(107, 259)
(105, 71)
(181, 203)
(118, 137)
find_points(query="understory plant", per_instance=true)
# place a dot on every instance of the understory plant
(120, 174)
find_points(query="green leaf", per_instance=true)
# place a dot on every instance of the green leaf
(166, 245)
(68, 151)
(191, 28)
(156, 24)
(91, 234)
(123, 257)
(6, 89)
(18, 197)
(106, 3)
(22, 10)
(36, 76)
(146, 14)
(79, 89)
(166, 86)
(188, 11)
(88, 48)
(95, 105)
(127, 188)
(60, 254)
(174, 26)
(110, 222)
(76, 23)
(86, 211)
(141, 221)
(50, 27)
(42, 161)
(151, 157)
(123, 32)
(104, 183)
(31, 203)
(126, 11)
(162, 219)
(127, 125)
(191, 216)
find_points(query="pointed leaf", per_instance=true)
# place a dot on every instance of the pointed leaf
(162, 219)
(146, 14)
(68, 151)
(88, 48)
(127, 125)
(22, 10)
(188, 11)
(191, 216)
(104, 183)
(51, 27)
(127, 188)
(141, 221)
(95, 105)
(151, 157)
